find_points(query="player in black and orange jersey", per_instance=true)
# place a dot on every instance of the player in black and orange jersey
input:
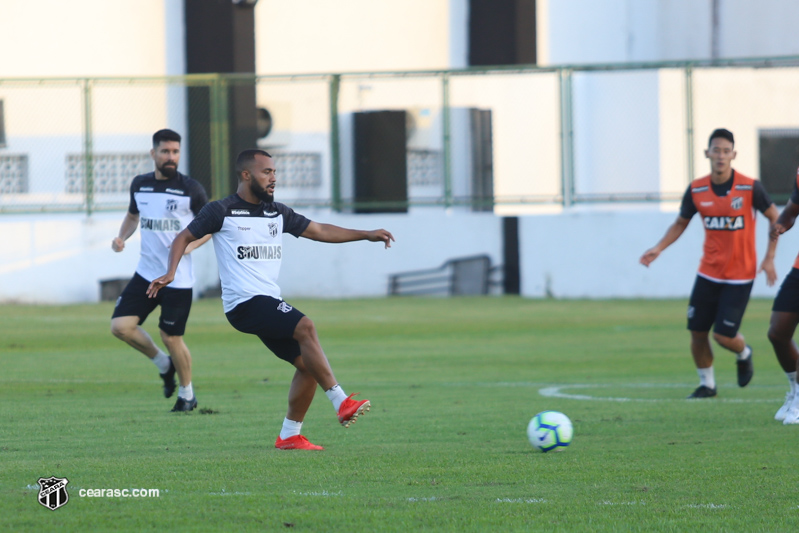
(785, 316)
(727, 201)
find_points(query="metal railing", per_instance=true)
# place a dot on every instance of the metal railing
(561, 135)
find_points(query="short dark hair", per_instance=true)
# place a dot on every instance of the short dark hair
(721, 133)
(165, 135)
(246, 157)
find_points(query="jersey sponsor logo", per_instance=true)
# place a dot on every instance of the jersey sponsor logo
(270, 214)
(244, 228)
(160, 224)
(259, 252)
(737, 202)
(273, 229)
(175, 191)
(283, 306)
(743, 187)
(725, 223)
(239, 212)
(171, 205)
(700, 189)
(146, 189)
(705, 204)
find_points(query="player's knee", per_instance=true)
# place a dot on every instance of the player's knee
(172, 341)
(120, 330)
(722, 339)
(775, 335)
(305, 330)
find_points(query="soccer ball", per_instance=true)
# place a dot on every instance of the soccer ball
(550, 431)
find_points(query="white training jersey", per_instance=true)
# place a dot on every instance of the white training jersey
(248, 242)
(165, 208)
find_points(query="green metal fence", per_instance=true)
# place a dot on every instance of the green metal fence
(555, 136)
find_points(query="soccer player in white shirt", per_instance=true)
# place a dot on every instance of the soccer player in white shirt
(162, 202)
(247, 229)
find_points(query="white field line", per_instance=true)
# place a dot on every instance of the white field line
(521, 500)
(708, 506)
(322, 493)
(557, 392)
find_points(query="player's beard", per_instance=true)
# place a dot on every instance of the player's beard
(262, 194)
(168, 170)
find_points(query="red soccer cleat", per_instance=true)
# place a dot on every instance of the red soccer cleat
(350, 410)
(297, 442)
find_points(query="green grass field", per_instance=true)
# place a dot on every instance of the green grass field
(453, 384)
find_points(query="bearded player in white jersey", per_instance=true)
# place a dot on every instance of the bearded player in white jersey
(162, 202)
(247, 229)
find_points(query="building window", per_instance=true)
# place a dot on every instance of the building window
(13, 174)
(779, 160)
(112, 172)
(299, 169)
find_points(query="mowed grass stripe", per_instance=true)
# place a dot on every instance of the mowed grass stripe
(453, 383)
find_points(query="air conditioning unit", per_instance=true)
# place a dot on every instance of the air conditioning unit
(274, 125)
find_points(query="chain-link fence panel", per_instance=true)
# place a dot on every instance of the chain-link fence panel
(623, 148)
(42, 127)
(392, 141)
(512, 158)
(294, 128)
(124, 117)
(759, 106)
(497, 140)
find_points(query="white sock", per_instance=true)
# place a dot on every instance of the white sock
(161, 360)
(336, 395)
(187, 392)
(792, 381)
(706, 377)
(744, 355)
(290, 428)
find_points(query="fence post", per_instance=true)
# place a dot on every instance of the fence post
(88, 147)
(566, 137)
(447, 148)
(335, 145)
(220, 156)
(689, 119)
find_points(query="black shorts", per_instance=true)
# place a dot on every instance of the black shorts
(175, 305)
(787, 300)
(722, 304)
(271, 320)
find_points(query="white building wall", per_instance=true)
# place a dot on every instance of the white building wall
(580, 253)
(305, 36)
(611, 31)
(594, 253)
(577, 252)
(53, 38)
(63, 258)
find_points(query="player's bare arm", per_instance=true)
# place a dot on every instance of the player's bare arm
(128, 228)
(176, 252)
(196, 244)
(767, 265)
(785, 221)
(672, 234)
(336, 234)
